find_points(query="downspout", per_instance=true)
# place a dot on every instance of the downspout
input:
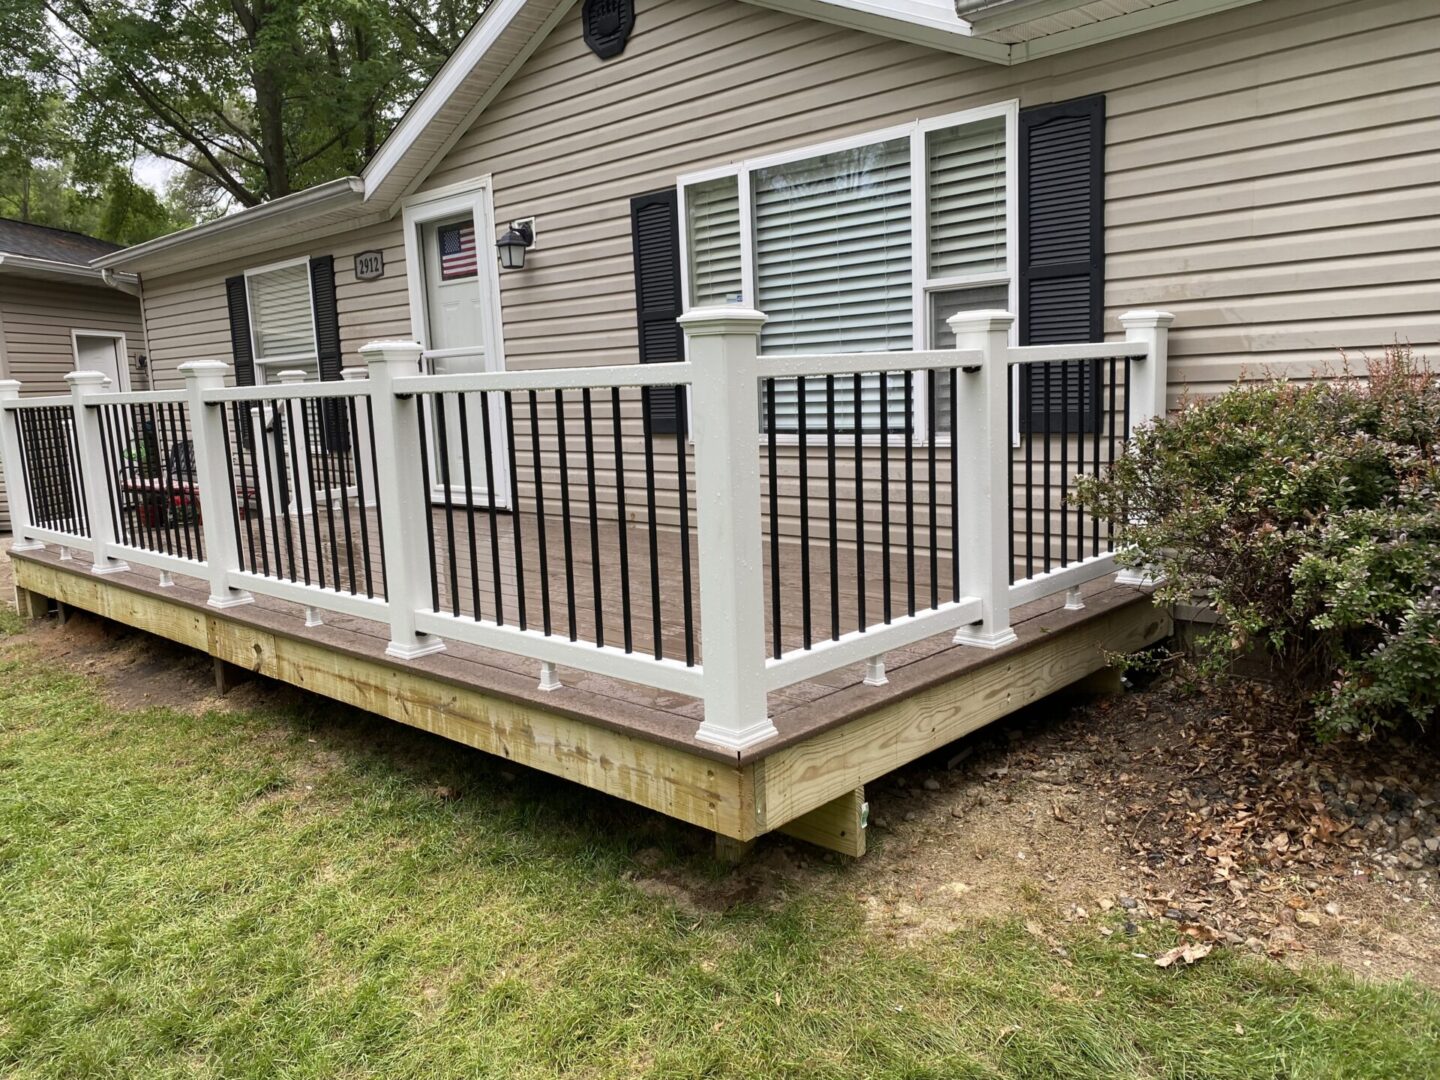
(138, 291)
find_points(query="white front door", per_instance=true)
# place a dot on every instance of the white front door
(456, 263)
(102, 352)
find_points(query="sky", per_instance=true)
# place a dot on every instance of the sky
(154, 172)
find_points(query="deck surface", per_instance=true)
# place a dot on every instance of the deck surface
(799, 711)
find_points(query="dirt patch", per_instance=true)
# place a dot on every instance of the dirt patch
(1149, 806)
(133, 670)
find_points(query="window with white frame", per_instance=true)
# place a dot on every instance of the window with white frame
(282, 320)
(862, 246)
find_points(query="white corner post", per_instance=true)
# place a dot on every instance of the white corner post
(1149, 379)
(94, 488)
(404, 502)
(723, 345)
(981, 440)
(16, 482)
(1149, 382)
(298, 484)
(212, 473)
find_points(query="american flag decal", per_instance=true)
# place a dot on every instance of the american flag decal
(457, 251)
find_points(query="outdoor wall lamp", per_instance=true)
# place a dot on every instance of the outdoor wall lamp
(511, 246)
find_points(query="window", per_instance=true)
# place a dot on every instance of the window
(862, 246)
(282, 320)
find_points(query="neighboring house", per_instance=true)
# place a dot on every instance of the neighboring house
(59, 314)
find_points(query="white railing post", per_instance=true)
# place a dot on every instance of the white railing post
(212, 475)
(981, 440)
(1149, 382)
(94, 485)
(404, 503)
(360, 437)
(299, 487)
(1148, 377)
(16, 483)
(722, 344)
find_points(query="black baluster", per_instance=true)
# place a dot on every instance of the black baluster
(589, 428)
(470, 502)
(832, 500)
(490, 507)
(934, 420)
(540, 512)
(621, 530)
(771, 423)
(515, 509)
(429, 510)
(858, 420)
(803, 453)
(442, 473)
(885, 490)
(565, 511)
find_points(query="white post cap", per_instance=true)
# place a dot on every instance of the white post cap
(722, 319)
(291, 376)
(195, 368)
(1146, 319)
(87, 378)
(354, 374)
(980, 322)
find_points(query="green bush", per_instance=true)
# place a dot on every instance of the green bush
(1308, 517)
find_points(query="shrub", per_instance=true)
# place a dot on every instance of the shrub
(1308, 517)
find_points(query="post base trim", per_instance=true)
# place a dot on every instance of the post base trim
(737, 740)
(115, 567)
(234, 598)
(980, 639)
(423, 645)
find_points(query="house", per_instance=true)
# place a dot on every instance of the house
(59, 314)
(733, 441)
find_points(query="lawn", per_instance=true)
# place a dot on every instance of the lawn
(305, 891)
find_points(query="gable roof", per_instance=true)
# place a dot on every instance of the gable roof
(53, 245)
(40, 251)
(509, 31)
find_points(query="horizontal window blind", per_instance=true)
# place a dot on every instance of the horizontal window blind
(965, 180)
(833, 273)
(280, 311)
(943, 305)
(712, 214)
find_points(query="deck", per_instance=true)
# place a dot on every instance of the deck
(734, 628)
(633, 741)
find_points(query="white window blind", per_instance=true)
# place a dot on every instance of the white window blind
(965, 180)
(280, 312)
(833, 273)
(712, 214)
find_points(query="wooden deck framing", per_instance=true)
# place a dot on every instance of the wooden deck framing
(630, 741)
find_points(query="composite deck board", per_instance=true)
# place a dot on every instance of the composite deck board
(804, 706)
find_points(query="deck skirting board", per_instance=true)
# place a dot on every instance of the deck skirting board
(810, 785)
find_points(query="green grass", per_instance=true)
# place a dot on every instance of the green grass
(174, 902)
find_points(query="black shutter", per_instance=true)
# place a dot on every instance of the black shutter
(1062, 256)
(655, 230)
(238, 304)
(327, 348)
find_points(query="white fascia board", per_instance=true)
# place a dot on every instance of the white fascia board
(918, 27)
(277, 216)
(1119, 26)
(492, 25)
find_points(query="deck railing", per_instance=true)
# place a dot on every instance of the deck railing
(898, 495)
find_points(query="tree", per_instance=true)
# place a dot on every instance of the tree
(255, 98)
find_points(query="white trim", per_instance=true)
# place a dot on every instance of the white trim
(263, 364)
(1119, 26)
(122, 353)
(921, 285)
(476, 198)
(31, 266)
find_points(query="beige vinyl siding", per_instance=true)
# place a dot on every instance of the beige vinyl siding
(188, 319)
(36, 320)
(1273, 172)
(1272, 177)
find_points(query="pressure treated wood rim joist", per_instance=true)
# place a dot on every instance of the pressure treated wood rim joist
(808, 782)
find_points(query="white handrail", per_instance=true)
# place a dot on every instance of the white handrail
(723, 370)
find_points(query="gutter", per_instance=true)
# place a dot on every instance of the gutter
(332, 195)
(30, 266)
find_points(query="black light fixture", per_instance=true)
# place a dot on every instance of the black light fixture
(511, 246)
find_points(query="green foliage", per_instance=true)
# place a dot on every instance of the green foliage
(1308, 517)
(257, 98)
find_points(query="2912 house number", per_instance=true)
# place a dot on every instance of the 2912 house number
(370, 265)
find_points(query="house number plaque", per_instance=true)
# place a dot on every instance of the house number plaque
(370, 265)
